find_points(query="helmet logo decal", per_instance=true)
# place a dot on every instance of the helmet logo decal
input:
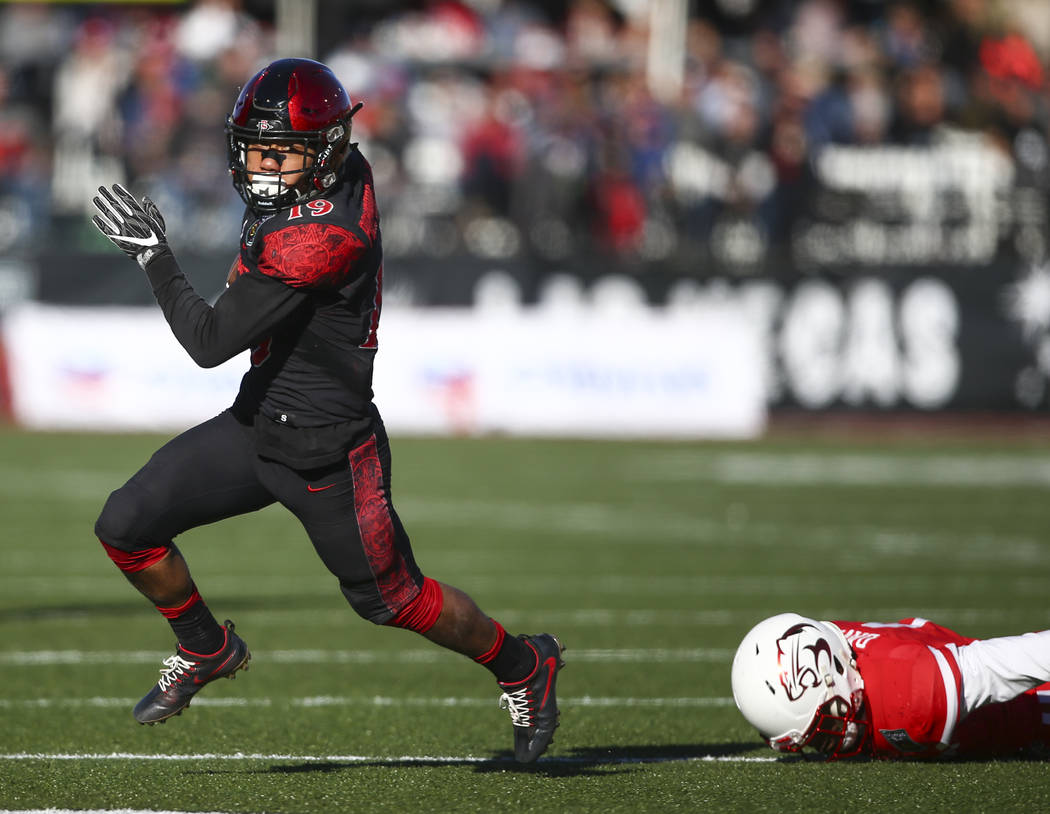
(801, 666)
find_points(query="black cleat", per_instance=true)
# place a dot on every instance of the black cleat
(532, 703)
(185, 673)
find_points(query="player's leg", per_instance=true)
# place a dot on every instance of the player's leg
(999, 669)
(201, 476)
(526, 667)
(1001, 729)
(347, 511)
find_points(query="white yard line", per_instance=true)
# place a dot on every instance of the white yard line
(844, 469)
(365, 700)
(34, 658)
(652, 617)
(614, 617)
(379, 759)
(97, 811)
(683, 583)
(1001, 470)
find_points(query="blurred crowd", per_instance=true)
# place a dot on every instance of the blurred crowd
(499, 128)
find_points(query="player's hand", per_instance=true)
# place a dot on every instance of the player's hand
(137, 229)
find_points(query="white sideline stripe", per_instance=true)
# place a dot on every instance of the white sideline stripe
(845, 469)
(638, 617)
(682, 583)
(607, 617)
(375, 701)
(759, 467)
(374, 758)
(96, 811)
(34, 658)
(579, 701)
(641, 617)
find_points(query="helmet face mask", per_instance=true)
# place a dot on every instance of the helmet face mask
(840, 729)
(292, 104)
(268, 187)
(796, 681)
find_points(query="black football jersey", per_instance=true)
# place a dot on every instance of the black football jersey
(306, 301)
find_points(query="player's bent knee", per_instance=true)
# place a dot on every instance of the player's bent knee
(418, 614)
(366, 602)
(119, 518)
(119, 528)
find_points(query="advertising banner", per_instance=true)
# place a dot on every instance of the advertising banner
(580, 373)
(108, 369)
(575, 373)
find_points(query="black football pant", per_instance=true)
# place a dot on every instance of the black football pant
(211, 472)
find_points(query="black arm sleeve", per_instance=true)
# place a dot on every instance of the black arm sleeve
(243, 315)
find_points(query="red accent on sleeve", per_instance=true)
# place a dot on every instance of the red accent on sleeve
(372, 340)
(369, 222)
(311, 255)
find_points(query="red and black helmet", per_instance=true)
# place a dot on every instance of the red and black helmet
(290, 101)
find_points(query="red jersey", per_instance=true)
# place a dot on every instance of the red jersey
(913, 688)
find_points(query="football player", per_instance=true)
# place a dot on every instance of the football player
(907, 689)
(304, 294)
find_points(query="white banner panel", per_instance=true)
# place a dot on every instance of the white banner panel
(582, 373)
(573, 372)
(108, 369)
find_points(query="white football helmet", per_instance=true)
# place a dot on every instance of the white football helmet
(796, 681)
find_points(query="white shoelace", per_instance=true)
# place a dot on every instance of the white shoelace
(518, 705)
(174, 666)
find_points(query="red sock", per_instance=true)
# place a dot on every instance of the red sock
(509, 659)
(194, 626)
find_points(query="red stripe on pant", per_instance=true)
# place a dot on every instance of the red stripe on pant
(422, 612)
(131, 561)
(396, 586)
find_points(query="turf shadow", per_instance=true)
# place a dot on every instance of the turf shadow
(136, 604)
(593, 761)
(606, 760)
(553, 767)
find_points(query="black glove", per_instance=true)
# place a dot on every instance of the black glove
(136, 229)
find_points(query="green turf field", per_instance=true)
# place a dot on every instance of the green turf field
(648, 560)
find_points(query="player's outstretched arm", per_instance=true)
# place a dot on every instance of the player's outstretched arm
(241, 317)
